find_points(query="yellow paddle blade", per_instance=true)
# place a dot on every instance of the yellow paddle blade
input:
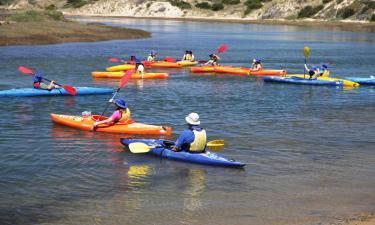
(306, 51)
(139, 147)
(215, 145)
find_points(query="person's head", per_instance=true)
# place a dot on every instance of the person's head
(324, 66)
(254, 60)
(192, 119)
(258, 60)
(211, 55)
(132, 58)
(314, 68)
(121, 104)
(37, 77)
(153, 53)
(187, 51)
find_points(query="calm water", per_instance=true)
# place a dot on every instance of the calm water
(310, 151)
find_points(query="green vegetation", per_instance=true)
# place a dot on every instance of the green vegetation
(37, 16)
(180, 4)
(339, 1)
(326, 1)
(372, 19)
(5, 2)
(251, 5)
(309, 11)
(217, 6)
(231, 2)
(203, 5)
(78, 3)
(345, 13)
(371, 5)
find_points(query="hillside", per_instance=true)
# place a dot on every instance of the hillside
(347, 10)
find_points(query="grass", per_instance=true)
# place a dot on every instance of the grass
(36, 16)
(231, 2)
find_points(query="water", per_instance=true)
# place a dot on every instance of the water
(309, 150)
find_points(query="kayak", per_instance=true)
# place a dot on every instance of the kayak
(85, 123)
(248, 71)
(28, 92)
(187, 63)
(346, 83)
(362, 80)
(163, 149)
(161, 64)
(122, 67)
(202, 69)
(118, 75)
(297, 80)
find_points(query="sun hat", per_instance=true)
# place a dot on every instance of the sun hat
(258, 60)
(37, 77)
(193, 119)
(121, 103)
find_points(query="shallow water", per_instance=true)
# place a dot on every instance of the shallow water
(309, 150)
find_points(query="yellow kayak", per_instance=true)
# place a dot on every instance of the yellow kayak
(187, 63)
(122, 67)
(118, 75)
(346, 83)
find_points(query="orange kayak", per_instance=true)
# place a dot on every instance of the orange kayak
(202, 69)
(85, 123)
(162, 64)
(118, 75)
(248, 71)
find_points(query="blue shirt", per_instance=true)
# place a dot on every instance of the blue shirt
(186, 137)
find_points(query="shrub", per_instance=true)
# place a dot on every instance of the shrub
(203, 5)
(181, 4)
(5, 2)
(326, 1)
(76, 3)
(51, 7)
(217, 6)
(309, 11)
(372, 19)
(345, 13)
(251, 5)
(339, 1)
(231, 2)
(54, 15)
(371, 5)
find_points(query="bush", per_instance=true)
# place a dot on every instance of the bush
(37, 16)
(339, 1)
(181, 4)
(309, 11)
(231, 2)
(217, 6)
(76, 3)
(51, 7)
(372, 19)
(54, 15)
(5, 2)
(203, 5)
(251, 5)
(371, 5)
(326, 1)
(345, 13)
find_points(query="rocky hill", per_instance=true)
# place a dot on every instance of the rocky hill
(348, 10)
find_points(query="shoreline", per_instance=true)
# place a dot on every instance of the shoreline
(357, 26)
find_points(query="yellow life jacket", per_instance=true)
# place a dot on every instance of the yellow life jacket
(188, 57)
(125, 117)
(199, 143)
(325, 73)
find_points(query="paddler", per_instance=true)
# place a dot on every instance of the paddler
(39, 84)
(139, 67)
(257, 65)
(313, 72)
(152, 56)
(325, 70)
(214, 60)
(120, 115)
(194, 138)
(188, 56)
(133, 59)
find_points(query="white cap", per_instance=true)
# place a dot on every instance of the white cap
(193, 119)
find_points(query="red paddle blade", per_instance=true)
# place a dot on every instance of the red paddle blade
(125, 78)
(169, 59)
(25, 70)
(222, 48)
(71, 90)
(113, 60)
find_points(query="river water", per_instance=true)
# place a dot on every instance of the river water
(310, 151)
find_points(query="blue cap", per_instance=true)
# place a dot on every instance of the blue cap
(121, 103)
(324, 66)
(258, 60)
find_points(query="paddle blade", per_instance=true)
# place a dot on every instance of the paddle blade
(71, 90)
(139, 147)
(222, 48)
(306, 51)
(25, 70)
(113, 60)
(215, 145)
(125, 78)
(169, 59)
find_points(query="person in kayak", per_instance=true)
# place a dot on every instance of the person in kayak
(152, 56)
(133, 59)
(257, 65)
(120, 115)
(139, 67)
(194, 138)
(313, 72)
(188, 56)
(325, 70)
(214, 60)
(39, 84)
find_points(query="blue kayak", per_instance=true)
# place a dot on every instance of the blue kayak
(297, 80)
(163, 149)
(26, 92)
(362, 80)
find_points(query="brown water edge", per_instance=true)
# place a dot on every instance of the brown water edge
(360, 219)
(54, 32)
(356, 26)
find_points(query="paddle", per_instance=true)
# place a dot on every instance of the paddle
(222, 48)
(306, 52)
(140, 147)
(71, 90)
(113, 60)
(169, 59)
(123, 81)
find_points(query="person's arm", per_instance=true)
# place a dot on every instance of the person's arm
(306, 68)
(180, 141)
(192, 57)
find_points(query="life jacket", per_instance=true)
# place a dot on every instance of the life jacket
(199, 143)
(36, 85)
(151, 58)
(188, 57)
(125, 117)
(325, 73)
(255, 65)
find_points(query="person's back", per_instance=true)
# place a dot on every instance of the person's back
(257, 65)
(313, 72)
(188, 56)
(325, 72)
(152, 56)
